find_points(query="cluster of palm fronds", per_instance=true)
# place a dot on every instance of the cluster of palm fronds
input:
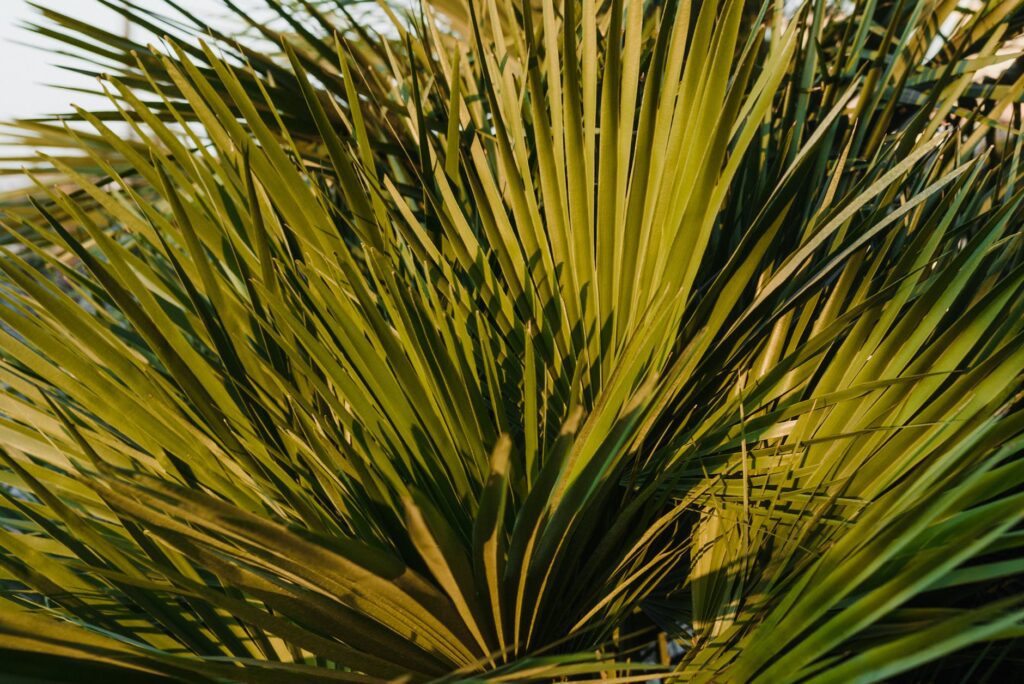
(532, 341)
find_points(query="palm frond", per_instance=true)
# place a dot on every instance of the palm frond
(496, 341)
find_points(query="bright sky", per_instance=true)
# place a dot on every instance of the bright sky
(29, 63)
(27, 72)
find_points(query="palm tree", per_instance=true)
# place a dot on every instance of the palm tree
(491, 341)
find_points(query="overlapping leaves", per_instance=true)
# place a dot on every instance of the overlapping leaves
(509, 341)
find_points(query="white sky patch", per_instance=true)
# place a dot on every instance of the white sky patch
(32, 80)
(30, 64)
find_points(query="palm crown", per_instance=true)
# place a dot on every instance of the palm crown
(505, 341)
